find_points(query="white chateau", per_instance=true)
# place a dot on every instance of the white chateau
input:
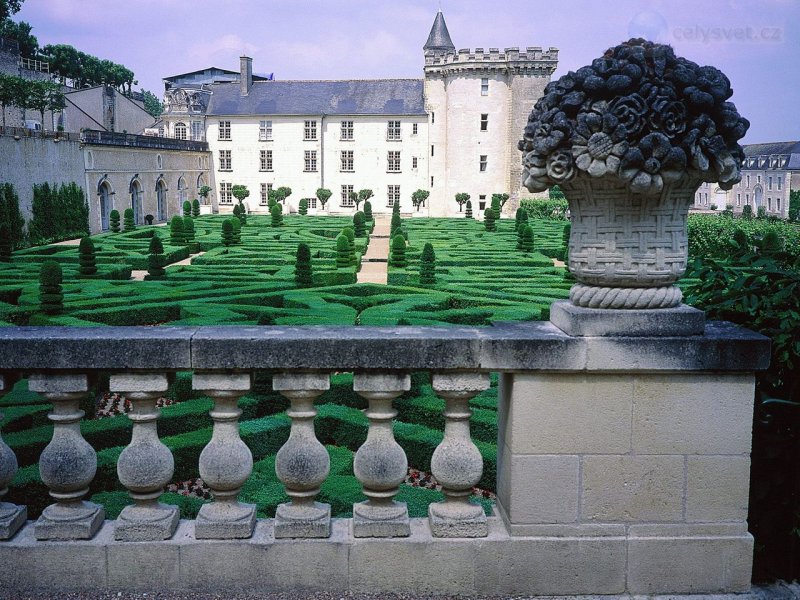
(455, 130)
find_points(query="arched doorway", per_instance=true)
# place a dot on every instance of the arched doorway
(136, 201)
(161, 200)
(758, 196)
(183, 193)
(104, 193)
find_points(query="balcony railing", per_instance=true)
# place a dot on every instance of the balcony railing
(621, 462)
(26, 132)
(110, 138)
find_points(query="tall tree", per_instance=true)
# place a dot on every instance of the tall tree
(323, 195)
(10, 88)
(9, 7)
(151, 103)
(21, 33)
(461, 198)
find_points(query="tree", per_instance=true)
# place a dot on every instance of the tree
(44, 96)
(195, 208)
(204, 191)
(350, 234)
(397, 257)
(395, 225)
(461, 198)
(363, 196)
(228, 238)
(240, 192)
(518, 218)
(747, 211)
(368, 210)
(237, 231)
(427, 265)
(303, 276)
(343, 252)
(323, 195)
(794, 206)
(302, 207)
(501, 200)
(488, 220)
(565, 240)
(176, 236)
(526, 243)
(419, 197)
(51, 296)
(187, 208)
(360, 224)
(5, 243)
(188, 230)
(496, 207)
(87, 257)
(10, 92)
(276, 212)
(354, 199)
(555, 193)
(129, 224)
(156, 259)
(113, 221)
(761, 212)
(21, 33)
(151, 103)
(9, 7)
(11, 215)
(468, 211)
(283, 193)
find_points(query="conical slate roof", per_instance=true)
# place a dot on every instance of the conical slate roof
(439, 38)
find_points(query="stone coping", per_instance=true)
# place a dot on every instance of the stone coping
(507, 347)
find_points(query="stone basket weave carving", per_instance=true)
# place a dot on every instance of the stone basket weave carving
(629, 139)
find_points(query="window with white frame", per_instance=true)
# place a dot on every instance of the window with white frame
(197, 131)
(266, 188)
(485, 86)
(309, 131)
(264, 131)
(310, 160)
(414, 128)
(347, 130)
(265, 160)
(346, 200)
(393, 130)
(225, 163)
(312, 202)
(180, 131)
(484, 122)
(225, 193)
(414, 162)
(393, 161)
(347, 161)
(482, 202)
(224, 130)
(484, 161)
(392, 195)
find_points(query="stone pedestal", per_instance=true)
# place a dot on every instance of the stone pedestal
(11, 516)
(579, 321)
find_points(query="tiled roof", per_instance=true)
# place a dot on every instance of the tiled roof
(439, 37)
(346, 97)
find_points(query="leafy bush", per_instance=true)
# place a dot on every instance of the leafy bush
(87, 258)
(195, 208)
(187, 208)
(427, 265)
(546, 209)
(276, 212)
(761, 213)
(302, 208)
(794, 206)
(129, 223)
(526, 242)
(176, 235)
(51, 296)
(489, 220)
(156, 259)
(495, 206)
(58, 213)
(368, 210)
(343, 252)
(360, 224)
(302, 270)
(228, 238)
(5, 242)
(10, 215)
(468, 210)
(747, 211)
(397, 257)
(113, 221)
(188, 230)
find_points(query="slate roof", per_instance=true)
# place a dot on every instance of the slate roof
(345, 97)
(439, 37)
(792, 149)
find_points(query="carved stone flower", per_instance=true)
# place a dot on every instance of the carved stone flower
(651, 164)
(668, 116)
(599, 142)
(631, 111)
(560, 168)
(534, 172)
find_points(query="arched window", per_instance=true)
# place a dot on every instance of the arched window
(180, 131)
(183, 193)
(159, 162)
(161, 200)
(104, 193)
(89, 159)
(137, 200)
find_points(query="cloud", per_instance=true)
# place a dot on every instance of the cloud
(225, 49)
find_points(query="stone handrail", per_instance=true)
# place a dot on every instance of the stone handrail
(622, 460)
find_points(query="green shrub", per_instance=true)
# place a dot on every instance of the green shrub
(276, 212)
(747, 211)
(188, 230)
(360, 224)
(176, 234)
(427, 265)
(113, 221)
(302, 207)
(368, 210)
(129, 223)
(565, 240)
(397, 258)
(237, 230)
(489, 220)
(761, 213)
(526, 243)
(87, 258)
(461, 199)
(520, 217)
(397, 222)
(58, 213)
(343, 252)
(51, 295)
(554, 208)
(156, 259)
(5, 242)
(496, 206)
(11, 215)
(187, 208)
(195, 208)
(228, 238)
(302, 269)
(468, 212)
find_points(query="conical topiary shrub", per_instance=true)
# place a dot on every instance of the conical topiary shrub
(87, 258)
(368, 210)
(113, 221)
(188, 229)
(496, 208)
(397, 257)
(468, 212)
(187, 208)
(228, 238)
(488, 220)
(302, 207)
(427, 265)
(302, 267)
(276, 214)
(5, 243)
(526, 243)
(360, 224)
(176, 235)
(51, 296)
(237, 231)
(343, 252)
(518, 218)
(129, 222)
(195, 208)
(156, 259)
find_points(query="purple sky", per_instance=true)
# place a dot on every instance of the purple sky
(755, 42)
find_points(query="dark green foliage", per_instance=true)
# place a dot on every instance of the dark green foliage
(323, 195)
(302, 207)
(526, 243)
(240, 213)
(343, 252)
(302, 269)
(58, 213)
(713, 235)
(555, 193)
(397, 221)
(113, 221)
(228, 238)
(747, 211)
(488, 220)
(360, 224)
(87, 258)
(5, 242)
(771, 243)
(10, 215)
(761, 213)
(176, 234)
(427, 265)
(565, 238)
(419, 197)
(520, 217)
(368, 210)
(237, 231)
(397, 257)
(794, 206)
(740, 241)
(195, 208)
(350, 234)
(187, 208)
(276, 212)
(461, 199)
(468, 211)
(546, 209)
(129, 223)
(496, 205)
(148, 219)
(51, 295)
(156, 259)
(188, 229)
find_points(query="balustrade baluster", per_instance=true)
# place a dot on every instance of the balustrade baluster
(12, 517)
(146, 465)
(226, 462)
(380, 463)
(457, 463)
(302, 463)
(68, 464)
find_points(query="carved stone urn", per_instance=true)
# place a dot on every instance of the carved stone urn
(629, 139)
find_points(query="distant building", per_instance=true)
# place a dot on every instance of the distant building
(455, 130)
(769, 173)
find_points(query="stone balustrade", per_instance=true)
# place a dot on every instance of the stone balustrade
(623, 462)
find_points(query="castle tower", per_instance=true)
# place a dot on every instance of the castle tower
(478, 103)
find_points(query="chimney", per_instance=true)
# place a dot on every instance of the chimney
(246, 74)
